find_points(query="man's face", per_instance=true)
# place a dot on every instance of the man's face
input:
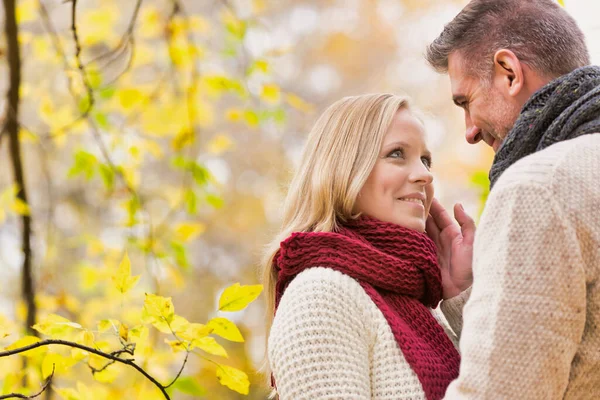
(489, 111)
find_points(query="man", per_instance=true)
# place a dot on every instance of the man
(531, 330)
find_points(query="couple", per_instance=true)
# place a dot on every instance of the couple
(366, 254)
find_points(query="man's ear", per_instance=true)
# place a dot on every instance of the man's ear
(508, 72)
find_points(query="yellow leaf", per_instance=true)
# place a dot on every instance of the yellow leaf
(187, 231)
(26, 10)
(123, 332)
(251, 118)
(299, 104)
(226, 329)
(195, 331)
(176, 345)
(153, 148)
(150, 22)
(561, 2)
(97, 25)
(55, 325)
(233, 378)
(158, 309)
(85, 338)
(209, 345)
(184, 138)
(236, 297)
(20, 207)
(233, 114)
(107, 375)
(220, 144)
(122, 279)
(271, 93)
(26, 136)
(26, 341)
(129, 97)
(59, 362)
(6, 327)
(138, 332)
(68, 393)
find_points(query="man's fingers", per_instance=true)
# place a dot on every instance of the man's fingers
(432, 230)
(440, 215)
(467, 224)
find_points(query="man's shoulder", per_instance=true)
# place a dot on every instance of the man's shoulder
(575, 160)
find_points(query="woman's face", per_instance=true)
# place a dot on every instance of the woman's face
(399, 189)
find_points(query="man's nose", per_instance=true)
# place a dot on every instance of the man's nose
(473, 133)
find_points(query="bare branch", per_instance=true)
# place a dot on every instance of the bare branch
(11, 128)
(130, 362)
(22, 396)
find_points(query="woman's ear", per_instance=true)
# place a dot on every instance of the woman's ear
(508, 72)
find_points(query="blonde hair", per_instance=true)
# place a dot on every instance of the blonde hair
(340, 153)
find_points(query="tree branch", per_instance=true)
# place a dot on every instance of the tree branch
(80, 66)
(22, 396)
(11, 128)
(109, 356)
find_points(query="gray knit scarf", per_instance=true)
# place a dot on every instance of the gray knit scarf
(564, 109)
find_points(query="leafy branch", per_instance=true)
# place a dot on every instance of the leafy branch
(110, 356)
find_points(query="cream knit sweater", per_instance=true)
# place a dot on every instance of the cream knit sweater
(330, 341)
(532, 324)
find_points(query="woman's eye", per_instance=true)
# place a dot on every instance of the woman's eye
(396, 154)
(426, 162)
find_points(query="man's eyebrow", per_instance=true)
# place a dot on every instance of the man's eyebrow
(459, 99)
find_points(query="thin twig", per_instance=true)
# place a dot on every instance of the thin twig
(31, 396)
(80, 66)
(187, 354)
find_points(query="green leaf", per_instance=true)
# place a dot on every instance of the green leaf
(180, 254)
(214, 200)
(108, 176)
(236, 297)
(84, 164)
(233, 378)
(226, 329)
(102, 120)
(107, 92)
(191, 202)
(188, 385)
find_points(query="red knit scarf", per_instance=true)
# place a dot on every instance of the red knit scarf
(397, 267)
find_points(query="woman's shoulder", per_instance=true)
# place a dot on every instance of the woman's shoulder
(319, 284)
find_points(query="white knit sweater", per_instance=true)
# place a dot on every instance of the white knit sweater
(330, 341)
(532, 324)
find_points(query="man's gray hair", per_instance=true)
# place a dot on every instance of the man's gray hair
(540, 33)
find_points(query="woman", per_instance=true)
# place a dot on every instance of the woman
(352, 276)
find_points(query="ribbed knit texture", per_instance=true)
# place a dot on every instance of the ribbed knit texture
(330, 341)
(397, 268)
(565, 108)
(532, 323)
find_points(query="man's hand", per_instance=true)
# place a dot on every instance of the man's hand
(455, 247)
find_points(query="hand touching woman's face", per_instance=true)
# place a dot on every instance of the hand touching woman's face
(399, 189)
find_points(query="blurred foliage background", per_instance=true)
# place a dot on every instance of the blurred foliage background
(167, 130)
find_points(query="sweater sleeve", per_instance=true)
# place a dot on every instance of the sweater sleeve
(318, 345)
(526, 312)
(453, 311)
